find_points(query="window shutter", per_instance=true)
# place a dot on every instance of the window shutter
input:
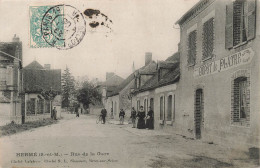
(229, 26)
(251, 17)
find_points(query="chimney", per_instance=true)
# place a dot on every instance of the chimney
(148, 58)
(109, 75)
(47, 66)
(16, 38)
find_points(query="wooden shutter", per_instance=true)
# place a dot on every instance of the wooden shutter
(229, 26)
(251, 17)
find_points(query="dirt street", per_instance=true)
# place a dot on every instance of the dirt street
(80, 142)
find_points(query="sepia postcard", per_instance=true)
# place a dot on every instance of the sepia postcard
(129, 83)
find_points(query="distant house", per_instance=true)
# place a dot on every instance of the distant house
(121, 97)
(160, 92)
(41, 85)
(108, 86)
(10, 80)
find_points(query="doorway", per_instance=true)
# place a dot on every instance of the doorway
(152, 104)
(198, 112)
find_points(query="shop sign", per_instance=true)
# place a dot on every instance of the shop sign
(231, 61)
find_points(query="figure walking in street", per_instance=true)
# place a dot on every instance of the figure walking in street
(54, 113)
(141, 116)
(104, 114)
(77, 111)
(133, 116)
(150, 119)
(121, 116)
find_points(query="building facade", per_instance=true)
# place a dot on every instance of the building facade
(121, 97)
(219, 84)
(10, 80)
(42, 91)
(160, 94)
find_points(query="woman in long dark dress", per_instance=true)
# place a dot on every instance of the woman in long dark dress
(149, 119)
(141, 116)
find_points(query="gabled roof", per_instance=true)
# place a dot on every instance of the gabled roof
(149, 69)
(115, 80)
(36, 80)
(8, 48)
(111, 90)
(34, 65)
(122, 85)
(174, 58)
(165, 64)
(171, 76)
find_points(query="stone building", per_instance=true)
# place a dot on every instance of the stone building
(10, 80)
(219, 85)
(42, 91)
(159, 93)
(121, 97)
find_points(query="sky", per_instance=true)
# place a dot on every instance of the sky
(138, 26)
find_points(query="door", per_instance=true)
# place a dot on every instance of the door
(198, 112)
(152, 104)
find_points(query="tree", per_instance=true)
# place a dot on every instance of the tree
(68, 88)
(88, 94)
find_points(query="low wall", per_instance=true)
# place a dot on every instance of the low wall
(95, 110)
(5, 111)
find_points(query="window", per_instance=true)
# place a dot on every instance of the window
(169, 109)
(138, 105)
(40, 106)
(240, 22)
(115, 110)
(208, 39)
(192, 47)
(161, 108)
(138, 82)
(152, 103)
(2, 76)
(240, 98)
(47, 107)
(31, 106)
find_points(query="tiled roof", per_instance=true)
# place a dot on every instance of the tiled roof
(34, 65)
(110, 90)
(148, 69)
(174, 58)
(36, 80)
(166, 64)
(122, 85)
(8, 48)
(170, 77)
(115, 80)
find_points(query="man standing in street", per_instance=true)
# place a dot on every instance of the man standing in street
(121, 116)
(54, 113)
(77, 111)
(133, 116)
(104, 114)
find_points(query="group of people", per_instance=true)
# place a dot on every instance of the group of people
(143, 120)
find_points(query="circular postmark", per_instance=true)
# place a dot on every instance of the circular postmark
(63, 27)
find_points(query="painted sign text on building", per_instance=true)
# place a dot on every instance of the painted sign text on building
(231, 61)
